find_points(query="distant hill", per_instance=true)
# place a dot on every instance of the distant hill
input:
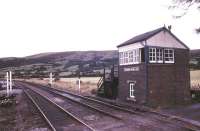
(195, 53)
(61, 63)
(195, 59)
(65, 64)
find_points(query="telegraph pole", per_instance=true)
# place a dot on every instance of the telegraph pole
(51, 79)
(7, 83)
(10, 72)
(79, 83)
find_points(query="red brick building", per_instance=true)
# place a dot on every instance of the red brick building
(154, 69)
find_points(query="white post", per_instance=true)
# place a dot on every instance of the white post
(79, 85)
(7, 83)
(51, 79)
(10, 80)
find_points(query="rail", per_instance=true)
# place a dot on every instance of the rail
(55, 115)
(163, 117)
(41, 112)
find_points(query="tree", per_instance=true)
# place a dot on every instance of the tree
(185, 6)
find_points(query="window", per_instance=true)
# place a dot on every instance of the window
(169, 55)
(159, 55)
(121, 57)
(132, 90)
(152, 55)
(130, 57)
(125, 57)
(134, 55)
(137, 56)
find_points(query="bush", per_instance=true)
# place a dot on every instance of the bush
(94, 91)
(57, 78)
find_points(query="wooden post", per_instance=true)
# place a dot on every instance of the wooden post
(51, 79)
(10, 80)
(79, 85)
(7, 83)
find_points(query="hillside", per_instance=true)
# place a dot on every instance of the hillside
(195, 59)
(61, 63)
(65, 64)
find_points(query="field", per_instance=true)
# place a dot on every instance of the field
(88, 84)
(195, 79)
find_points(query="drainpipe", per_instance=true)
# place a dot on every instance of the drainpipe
(146, 50)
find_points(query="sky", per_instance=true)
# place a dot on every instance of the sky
(30, 27)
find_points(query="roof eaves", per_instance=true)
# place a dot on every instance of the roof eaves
(125, 44)
(144, 39)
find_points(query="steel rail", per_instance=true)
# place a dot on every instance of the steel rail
(165, 117)
(86, 105)
(186, 124)
(40, 110)
(65, 111)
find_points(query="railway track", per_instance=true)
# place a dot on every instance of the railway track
(93, 117)
(57, 118)
(105, 106)
(109, 107)
(163, 117)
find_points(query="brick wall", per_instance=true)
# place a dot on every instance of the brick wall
(128, 76)
(169, 84)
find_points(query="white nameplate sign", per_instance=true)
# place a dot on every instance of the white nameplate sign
(128, 69)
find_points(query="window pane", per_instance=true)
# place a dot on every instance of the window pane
(152, 54)
(169, 55)
(159, 55)
(131, 56)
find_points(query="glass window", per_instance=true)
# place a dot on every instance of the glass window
(132, 90)
(169, 55)
(152, 55)
(136, 55)
(130, 56)
(121, 57)
(159, 55)
(125, 57)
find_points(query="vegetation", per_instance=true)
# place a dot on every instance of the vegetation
(69, 64)
(63, 64)
(195, 59)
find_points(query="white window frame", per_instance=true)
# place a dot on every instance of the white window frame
(126, 57)
(130, 57)
(120, 58)
(136, 56)
(131, 90)
(159, 55)
(167, 52)
(152, 54)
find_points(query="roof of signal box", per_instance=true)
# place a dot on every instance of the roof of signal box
(147, 35)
